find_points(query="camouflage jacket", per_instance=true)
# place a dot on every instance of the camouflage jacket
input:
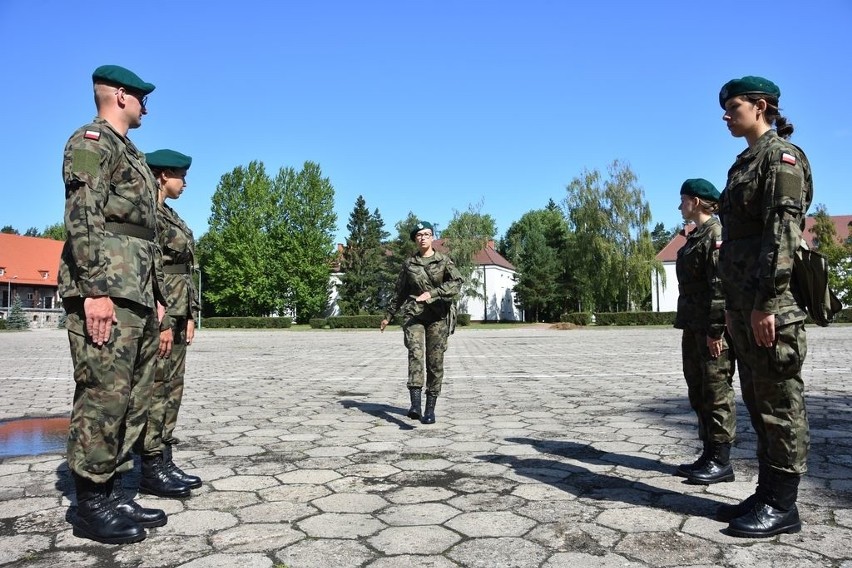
(435, 274)
(178, 248)
(700, 303)
(763, 211)
(108, 186)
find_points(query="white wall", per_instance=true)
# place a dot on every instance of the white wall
(497, 285)
(664, 296)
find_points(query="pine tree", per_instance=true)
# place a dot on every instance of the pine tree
(17, 317)
(363, 287)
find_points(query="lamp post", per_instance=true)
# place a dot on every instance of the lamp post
(198, 268)
(9, 297)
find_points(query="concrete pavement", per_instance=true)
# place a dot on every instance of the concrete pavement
(552, 449)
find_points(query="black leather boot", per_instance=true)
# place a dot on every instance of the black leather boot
(148, 518)
(191, 481)
(774, 511)
(97, 518)
(684, 469)
(157, 481)
(429, 413)
(727, 513)
(415, 394)
(716, 469)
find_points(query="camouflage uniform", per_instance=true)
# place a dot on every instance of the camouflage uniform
(178, 248)
(763, 208)
(701, 314)
(426, 325)
(111, 250)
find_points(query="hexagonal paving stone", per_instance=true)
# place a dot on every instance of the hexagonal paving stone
(198, 522)
(497, 553)
(239, 451)
(276, 512)
(256, 537)
(423, 464)
(340, 525)
(639, 519)
(229, 561)
(331, 451)
(244, 483)
(491, 523)
(414, 540)
(412, 561)
(408, 495)
(297, 493)
(350, 503)
(418, 514)
(308, 476)
(325, 553)
(369, 470)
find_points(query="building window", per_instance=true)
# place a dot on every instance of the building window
(30, 296)
(48, 303)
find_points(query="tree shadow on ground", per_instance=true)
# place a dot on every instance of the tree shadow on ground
(384, 412)
(589, 484)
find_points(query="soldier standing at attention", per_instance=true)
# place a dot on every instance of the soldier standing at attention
(763, 209)
(428, 284)
(160, 475)
(708, 364)
(110, 278)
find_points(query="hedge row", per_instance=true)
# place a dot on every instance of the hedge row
(247, 322)
(2, 324)
(463, 319)
(577, 318)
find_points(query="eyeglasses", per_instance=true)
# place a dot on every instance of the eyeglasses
(143, 99)
(423, 236)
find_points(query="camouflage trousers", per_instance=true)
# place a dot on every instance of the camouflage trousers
(167, 395)
(773, 392)
(709, 384)
(426, 343)
(113, 389)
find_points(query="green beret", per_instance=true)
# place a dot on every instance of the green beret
(700, 188)
(419, 227)
(116, 75)
(748, 86)
(168, 160)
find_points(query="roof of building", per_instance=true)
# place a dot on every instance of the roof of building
(841, 227)
(488, 256)
(29, 260)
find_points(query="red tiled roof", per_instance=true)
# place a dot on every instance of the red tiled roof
(485, 257)
(26, 260)
(841, 227)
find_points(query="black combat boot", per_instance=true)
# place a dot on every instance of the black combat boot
(717, 469)
(157, 481)
(429, 414)
(97, 518)
(191, 481)
(124, 503)
(415, 411)
(774, 511)
(727, 513)
(684, 469)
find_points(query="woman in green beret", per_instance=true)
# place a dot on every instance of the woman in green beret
(708, 364)
(160, 475)
(426, 289)
(763, 208)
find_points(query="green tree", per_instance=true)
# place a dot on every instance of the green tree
(303, 239)
(17, 316)
(661, 236)
(613, 251)
(32, 232)
(837, 252)
(363, 286)
(9, 230)
(56, 232)
(467, 233)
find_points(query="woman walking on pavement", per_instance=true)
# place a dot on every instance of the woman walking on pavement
(708, 363)
(427, 286)
(763, 210)
(160, 475)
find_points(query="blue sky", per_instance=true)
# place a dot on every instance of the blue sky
(425, 106)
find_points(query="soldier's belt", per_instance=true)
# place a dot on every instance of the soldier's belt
(742, 231)
(693, 287)
(130, 230)
(176, 268)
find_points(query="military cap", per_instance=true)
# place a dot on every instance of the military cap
(748, 85)
(700, 188)
(419, 227)
(117, 75)
(168, 160)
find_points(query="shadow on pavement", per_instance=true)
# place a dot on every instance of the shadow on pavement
(384, 412)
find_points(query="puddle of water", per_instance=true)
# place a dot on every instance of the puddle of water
(33, 436)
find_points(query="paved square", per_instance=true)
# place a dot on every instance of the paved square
(552, 449)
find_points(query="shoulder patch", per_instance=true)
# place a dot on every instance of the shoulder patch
(92, 135)
(788, 158)
(85, 161)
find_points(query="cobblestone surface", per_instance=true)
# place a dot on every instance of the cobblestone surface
(552, 449)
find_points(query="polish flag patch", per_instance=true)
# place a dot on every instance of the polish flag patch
(95, 135)
(718, 244)
(788, 159)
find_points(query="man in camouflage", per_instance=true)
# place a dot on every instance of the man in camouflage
(763, 209)
(427, 286)
(110, 278)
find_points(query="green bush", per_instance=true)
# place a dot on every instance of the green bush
(844, 316)
(635, 318)
(355, 322)
(2, 324)
(463, 319)
(577, 318)
(317, 323)
(248, 322)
